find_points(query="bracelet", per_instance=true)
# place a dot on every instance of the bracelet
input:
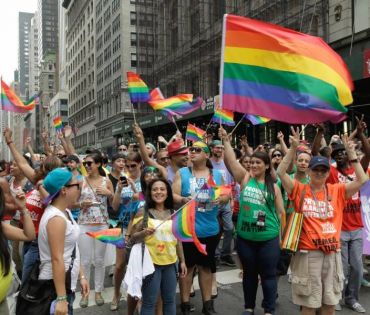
(24, 212)
(11, 141)
(61, 298)
(82, 277)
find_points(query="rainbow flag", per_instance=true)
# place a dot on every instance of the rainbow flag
(256, 120)
(217, 191)
(34, 100)
(109, 236)
(183, 225)
(11, 102)
(181, 104)
(58, 125)
(224, 117)
(282, 74)
(137, 89)
(194, 133)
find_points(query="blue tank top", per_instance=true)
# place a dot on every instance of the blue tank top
(206, 223)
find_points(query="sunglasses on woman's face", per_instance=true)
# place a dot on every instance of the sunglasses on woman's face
(277, 155)
(87, 163)
(73, 185)
(195, 150)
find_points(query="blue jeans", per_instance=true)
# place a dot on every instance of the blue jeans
(226, 215)
(162, 281)
(70, 299)
(259, 258)
(30, 256)
(351, 250)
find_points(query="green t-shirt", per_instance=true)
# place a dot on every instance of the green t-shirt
(252, 201)
(287, 204)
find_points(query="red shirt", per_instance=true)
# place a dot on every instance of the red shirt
(35, 207)
(352, 219)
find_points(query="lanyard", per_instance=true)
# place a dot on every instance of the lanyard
(324, 216)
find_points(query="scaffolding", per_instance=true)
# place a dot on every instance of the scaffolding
(179, 41)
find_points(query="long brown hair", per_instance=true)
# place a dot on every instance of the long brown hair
(50, 163)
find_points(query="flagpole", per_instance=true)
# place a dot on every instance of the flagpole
(237, 124)
(133, 112)
(209, 124)
(304, 127)
(174, 121)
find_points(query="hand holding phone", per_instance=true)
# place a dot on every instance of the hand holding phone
(124, 181)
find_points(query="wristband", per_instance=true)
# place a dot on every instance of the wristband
(11, 141)
(61, 298)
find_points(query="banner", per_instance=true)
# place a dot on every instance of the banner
(365, 204)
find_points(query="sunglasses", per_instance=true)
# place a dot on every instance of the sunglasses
(88, 163)
(277, 155)
(73, 185)
(131, 166)
(195, 150)
(122, 149)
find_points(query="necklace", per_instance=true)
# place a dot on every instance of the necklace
(160, 214)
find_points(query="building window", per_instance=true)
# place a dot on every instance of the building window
(133, 18)
(133, 38)
(133, 60)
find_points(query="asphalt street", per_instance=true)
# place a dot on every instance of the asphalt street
(229, 300)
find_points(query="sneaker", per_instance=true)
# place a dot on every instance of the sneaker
(357, 307)
(338, 307)
(228, 261)
(365, 283)
(192, 307)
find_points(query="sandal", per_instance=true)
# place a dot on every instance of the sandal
(115, 303)
(99, 300)
(84, 302)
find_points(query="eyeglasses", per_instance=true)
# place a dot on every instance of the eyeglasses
(131, 166)
(87, 163)
(195, 150)
(73, 185)
(122, 149)
(276, 155)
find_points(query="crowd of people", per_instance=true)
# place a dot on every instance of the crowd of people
(52, 201)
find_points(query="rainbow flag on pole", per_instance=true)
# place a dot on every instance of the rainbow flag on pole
(183, 225)
(282, 74)
(256, 120)
(109, 236)
(137, 89)
(58, 124)
(224, 117)
(217, 191)
(11, 102)
(194, 133)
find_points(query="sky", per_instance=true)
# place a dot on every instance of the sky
(9, 34)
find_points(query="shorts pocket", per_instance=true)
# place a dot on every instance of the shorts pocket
(301, 285)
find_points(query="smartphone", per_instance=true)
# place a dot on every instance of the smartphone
(123, 180)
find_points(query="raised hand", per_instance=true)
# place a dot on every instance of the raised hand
(280, 136)
(222, 134)
(294, 137)
(138, 132)
(67, 130)
(361, 125)
(7, 133)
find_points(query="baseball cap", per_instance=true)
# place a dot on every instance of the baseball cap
(319, 161)
(216, 142)
(55, 181)
(177, 147)
(337, 147)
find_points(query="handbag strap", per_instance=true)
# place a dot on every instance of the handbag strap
(301, 200)
(145, 225)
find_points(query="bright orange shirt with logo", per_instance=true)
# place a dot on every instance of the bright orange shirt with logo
(322, 223)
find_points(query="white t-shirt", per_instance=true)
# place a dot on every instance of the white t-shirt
(71, 237)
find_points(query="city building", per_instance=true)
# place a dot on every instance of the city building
(80, 70)
(58, 108)
(115, 50)
(24, 37)
(185, 53)
(30, 119)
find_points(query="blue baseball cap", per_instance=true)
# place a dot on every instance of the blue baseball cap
(56, 180)
(319, 161)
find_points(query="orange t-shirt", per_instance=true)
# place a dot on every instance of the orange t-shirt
(321, 224)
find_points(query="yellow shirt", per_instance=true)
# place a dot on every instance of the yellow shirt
(5, 282)
(161, 244)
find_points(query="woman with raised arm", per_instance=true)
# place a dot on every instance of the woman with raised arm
(317, 273)
(258, 226)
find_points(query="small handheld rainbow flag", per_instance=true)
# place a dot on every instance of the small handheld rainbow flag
(224, 117)
(256, 120)
(217, 191)
(109, 236)
(194, 133)
(58, 125)
(11, 102)
(137, 89)
(183, 226)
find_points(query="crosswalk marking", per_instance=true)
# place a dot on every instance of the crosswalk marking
(223, 278)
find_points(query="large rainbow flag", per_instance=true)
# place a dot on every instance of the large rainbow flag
(282, 74)
(137, 89)
(58, 124)
(256, 120)
(183, 225)
(109, 236)
(178, 105)
(194, 133)
(11, 102)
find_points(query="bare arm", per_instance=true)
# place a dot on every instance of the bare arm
(67, 137)
(239, 173)
(45, 143)
(22, 163)
(361, 126)
(361, 178)
(316, 145)
(30, 149)
(286, 181)
(176, 190)
(283, 145)
(10, 203)
(143, 152)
